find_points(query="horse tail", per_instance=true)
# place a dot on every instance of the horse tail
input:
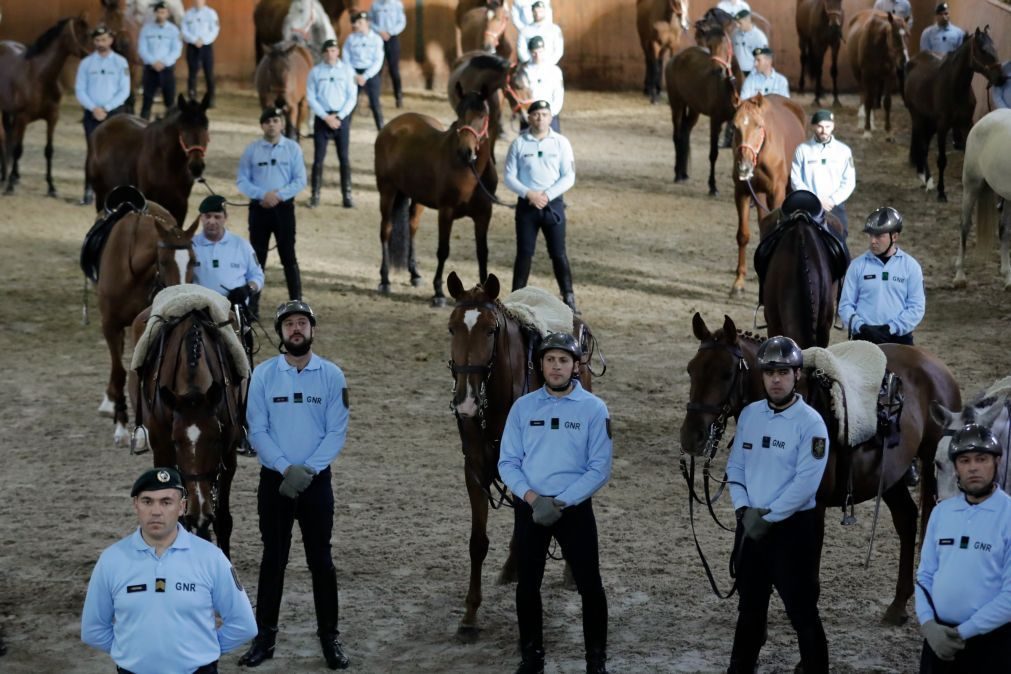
(400, 238)
(986, 216)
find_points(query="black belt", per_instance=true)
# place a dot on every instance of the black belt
(211, 668)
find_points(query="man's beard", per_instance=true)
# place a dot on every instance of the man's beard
(299, 349)
(977, 492)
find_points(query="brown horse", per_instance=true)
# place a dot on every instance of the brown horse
(418, 165)
(767, 130)
(268, 19)
(281, 77)
(490, 365)
(725, 378)
(127, 32)
(819, 27)
(30, 90)
(190, 396)
(938, 93)
(483, 29)
(878, 50)
(161, 158)
(702, 81)
(660, 24)
(146, 251)
(504, 82)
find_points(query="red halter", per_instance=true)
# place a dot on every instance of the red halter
(480, 135)
(520, 102)
(753, 149)
(200, 149)
(725, 62)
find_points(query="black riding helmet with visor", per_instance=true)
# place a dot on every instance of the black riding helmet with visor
(563, 342)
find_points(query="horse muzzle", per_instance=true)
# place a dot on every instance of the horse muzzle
(196, 165)
(745, 170)
(466, 408)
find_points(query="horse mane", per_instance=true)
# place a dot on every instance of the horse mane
(805, 269)
(472, 101)
(43, 41)
(489, 62)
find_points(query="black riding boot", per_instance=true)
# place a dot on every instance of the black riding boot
(317, 182)
(324, 595)
(596, 661)
(521, 271)
(564, 277)
(293, 278)
(346, 187)
(532, 659)
(262, 648)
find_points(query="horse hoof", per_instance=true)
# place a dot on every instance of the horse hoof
(438, 301)
(867, 135)
(713, 192)
(121, 436)
(9, 190)
(942, 197)
(680, 179)
(895, 616)
(507, 576)
(384, 288)
(416, 281)
(467, 634)
(959, 282)
(736, 291)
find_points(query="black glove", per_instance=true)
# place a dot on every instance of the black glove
(296, 479)
(547, 510)
(240, 294)
(756, 526)
(874, 333)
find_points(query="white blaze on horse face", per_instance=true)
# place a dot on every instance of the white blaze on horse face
(193, 433)
(182, 257)
(470, 318)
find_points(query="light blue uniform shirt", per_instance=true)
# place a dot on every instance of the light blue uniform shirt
(898, 7)
(159, 43)
(545, 165)
(776, 456)
(965, 563)
(554, 42)
(156, 615)
(102, 81)
(200, 24)
(883, 294)
(546, 84)
(364, 51)
(297, 418)
(225, 264)
(557, 447)
(264, 167)
(332, 88)
(825, 169)
(941, 40)
(745, 42)
(523, 13)
(757, 83)
(1002, 94)
(388, 16)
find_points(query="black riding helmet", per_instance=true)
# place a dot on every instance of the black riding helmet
(292, 307)
(779, 352)
(884, 220)
(563, 341)
(973, 438)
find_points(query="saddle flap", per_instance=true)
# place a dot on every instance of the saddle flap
(856, 369)
(94, 240)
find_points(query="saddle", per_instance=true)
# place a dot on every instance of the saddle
(538, 310)
(838, 258)
(120, 201)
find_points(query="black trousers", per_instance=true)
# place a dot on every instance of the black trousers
(197, 58)
(550, 220)
(90, 123)
(321, 137)
(279, 221)
(313, 509)
(988, 652)
(576, 533)
(153, 82)
(372, 89)
(787, 559)
(391, 54)
(205, 669)
(894, 339)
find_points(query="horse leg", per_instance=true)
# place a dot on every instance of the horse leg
(742, 199)
(886, 103)
(904, 515)
(942, 162)
(114, 404)
(714, 151)
(4, 124)
(222, 514)
(834, 72)
(50, 128)
(482, 218)
(866, 108)
(817, 60)
(15, 139)
(412, 263)
(445, 229)
(804, 59)
(1005, 234)
(386, 203)
(468, 630)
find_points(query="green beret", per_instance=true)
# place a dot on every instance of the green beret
(329, 43)
(539, 3)
(213, 204)
(155, 479)
(761, 51)
(357, 16)
(159, 5)
(536, 42)
(941, 8)
(539, 105)
(822, 116)
(100, 29)
(743, 14)
(270, 113)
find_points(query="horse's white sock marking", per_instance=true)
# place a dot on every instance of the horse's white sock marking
(182, 261)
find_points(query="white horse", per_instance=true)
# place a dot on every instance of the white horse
(142, 13)
(986, 173)
(989, 409)
(308, 23)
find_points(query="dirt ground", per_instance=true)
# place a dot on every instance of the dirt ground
(646, 255)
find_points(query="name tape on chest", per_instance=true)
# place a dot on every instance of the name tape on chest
(557, 424)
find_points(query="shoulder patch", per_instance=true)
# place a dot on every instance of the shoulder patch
(818, 448)
(344, 398)
(607, 424)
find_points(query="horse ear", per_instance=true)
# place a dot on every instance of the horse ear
(169, 398)
(181, 101)
(492, 287)
(891, 19)
(700, 329)
(455, 285)
(266, 48)
(205, 102)
(213, 395)
(940, 414)
(729, 330)
(989, 415)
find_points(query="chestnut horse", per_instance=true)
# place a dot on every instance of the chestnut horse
(878, 50)
(268, 19)
(660, 24)
(819, 27)
(127, 32)
(490, 363)
(939, 97)
(162, 158)
(281, 77)
(483, 29)
(30, 90)
(702, 81)
(503, 81)
(767, 130)
(189, 393)
(146, 251)
(725, 378)
(418, 165)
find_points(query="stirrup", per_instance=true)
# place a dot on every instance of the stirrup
(755, 320)
(142, 446)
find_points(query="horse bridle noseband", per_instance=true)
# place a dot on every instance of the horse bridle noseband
(724, 410)
(486, 369)
(201, 150)
(480, 134)
(753, 149)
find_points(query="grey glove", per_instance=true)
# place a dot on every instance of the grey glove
(944, 641)
(756, 526)
(547, 510)
(296, 479)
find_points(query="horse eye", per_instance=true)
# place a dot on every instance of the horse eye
(451, 331)
(491, 332)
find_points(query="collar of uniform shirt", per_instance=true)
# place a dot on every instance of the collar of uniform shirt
(990, 503)
(182, 540)
(530, 134)
(577, 392)
(897, 254)
(313, 364)
(202, 240)
(788, 413)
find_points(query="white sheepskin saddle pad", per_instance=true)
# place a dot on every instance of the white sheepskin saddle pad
(177, 301)
(538, 309)
(859, 367)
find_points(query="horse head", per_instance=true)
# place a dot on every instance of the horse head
(983, 57)
(679, 9)
(713, 18)
(474, 328)
(175, 256)
(832, 17)
(518, 90)
(472, 120)
(898, 42)
(495, 24)
(713, 37)
(986, 411)
(77, 36)
(719, 384)
(194, 135)
(749, 135)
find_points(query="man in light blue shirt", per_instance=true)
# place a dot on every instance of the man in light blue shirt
(298, 420)
(199, 31)
(882, 296)
(332, 95)
(159, 47)
(764, 79)
(775, 466)
(225, 263)
(1002, 94)
(746, 39)
(540, 168)
(963, 584)
(555, 455)
(523, 13)
(389, 20)
(363, 51)
(153, 596)
(271, 173)
(898, 8)
(943, 36)
(546, 83)
(824, 165)
(102, 87)
(554, 42)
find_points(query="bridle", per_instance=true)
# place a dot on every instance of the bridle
(725, 62)
(754, 149)
(479, 134)
(485, 370)
(201, 150)
(496, 35)
(520, 102)
(982, 68)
